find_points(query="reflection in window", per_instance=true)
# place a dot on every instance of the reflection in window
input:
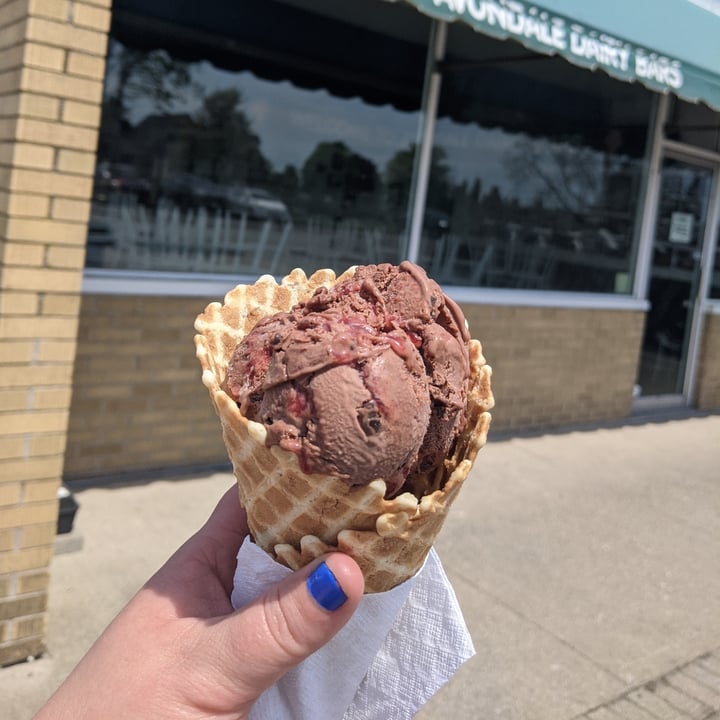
(694, 124)
(215, 170)
(537, 173)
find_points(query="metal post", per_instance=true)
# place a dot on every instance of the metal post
(712, 230)
(423, 150)
(650, 201)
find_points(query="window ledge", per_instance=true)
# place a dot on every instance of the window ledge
(97, 281)
(545, 298)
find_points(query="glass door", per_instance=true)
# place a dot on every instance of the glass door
(680, 228)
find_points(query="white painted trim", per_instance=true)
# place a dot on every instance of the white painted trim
(698, 155)
(97, 281)
(712, 222)
(656, 403)
(545, 298)
(712, 307)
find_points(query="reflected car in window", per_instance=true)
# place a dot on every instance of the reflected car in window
(257, 203)
(191, 191)
(120, 179)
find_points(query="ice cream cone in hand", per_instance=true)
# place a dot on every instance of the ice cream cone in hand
(352, 409)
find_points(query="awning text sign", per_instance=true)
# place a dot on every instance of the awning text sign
(541, 30)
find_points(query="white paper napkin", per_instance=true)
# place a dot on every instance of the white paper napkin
(396, 651)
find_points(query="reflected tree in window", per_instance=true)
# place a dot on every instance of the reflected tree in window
(339, 181)
(398, 181)
(225, 149)
(564, 175)
(154, 76)
(135, 77)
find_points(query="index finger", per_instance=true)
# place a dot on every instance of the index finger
(217, 542)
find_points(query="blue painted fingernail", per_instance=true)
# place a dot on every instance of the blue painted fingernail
(325, 588)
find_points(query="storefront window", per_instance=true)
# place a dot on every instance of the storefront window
(537, 172)
(693, 124)
(225, 148)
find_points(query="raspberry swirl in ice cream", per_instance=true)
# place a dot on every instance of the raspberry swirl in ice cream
(365, 380)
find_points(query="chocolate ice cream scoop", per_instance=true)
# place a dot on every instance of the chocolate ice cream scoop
(365, 380)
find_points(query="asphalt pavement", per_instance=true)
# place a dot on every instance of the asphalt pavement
(586, 561)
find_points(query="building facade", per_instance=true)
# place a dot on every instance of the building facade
(155, 153)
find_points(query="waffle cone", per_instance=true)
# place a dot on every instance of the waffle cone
(294, 516)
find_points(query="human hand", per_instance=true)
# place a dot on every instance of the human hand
(178, 650)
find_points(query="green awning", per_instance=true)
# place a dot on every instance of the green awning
(667, 45)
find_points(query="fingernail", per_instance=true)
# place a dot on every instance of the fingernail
(325, 588)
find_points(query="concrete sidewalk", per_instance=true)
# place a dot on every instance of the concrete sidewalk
(587, 564)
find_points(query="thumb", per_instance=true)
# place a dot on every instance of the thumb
(259, 643)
